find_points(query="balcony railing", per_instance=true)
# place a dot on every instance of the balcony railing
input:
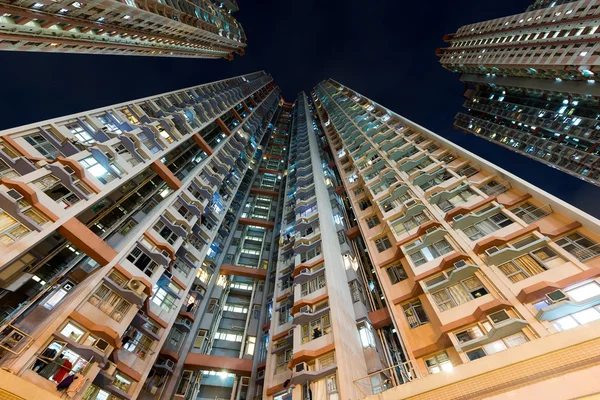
(495, 188)
(388, 378)
(530, 216)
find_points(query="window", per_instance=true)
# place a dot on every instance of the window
(43, 146)
(95, 393)
(396, 273)
(456, 200)
(230, 336)
(448, 158)
(79, 133)
(213, 305)
(576, 319)
(110, 303)
(372, 222)
(415, 314)
(431, 252)
(256, 311)
(497, 346)
(11, 230)
(285, 315)
(467, 171)
(580, 246)
(487, 226)
(313, 285)
(165, 232)
(250, 345)
(137, 343)
(199, 341)
(316, 328)
(584, 292)
(108, 124)
(282, 361)
(58, 295)
(331, 386)
(141, 260)
(469, 334)
(122, 382)
(96, 169)
(527, 265)
(439, 363)
(242, 309)
(185, 383)
(163, 299)
(366, 335)
(54, 189)
(463, 292)
(383, 244)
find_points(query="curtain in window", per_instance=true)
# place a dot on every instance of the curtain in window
(443, 301)
(512, 272)
(459, 294)
(6, 221)
(486, 227)
(529, 265)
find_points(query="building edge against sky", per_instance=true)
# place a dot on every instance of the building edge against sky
(207, 243)
(531, 83)
(200, 29)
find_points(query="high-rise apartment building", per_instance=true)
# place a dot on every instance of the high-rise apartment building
(217, 242)
(488, 284)
(531, 83)
(200, 29)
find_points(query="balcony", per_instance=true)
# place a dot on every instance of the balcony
(495, 188)
(388, 378)
(500, 256)
(473, 218)
(455, 276)
(499, 330)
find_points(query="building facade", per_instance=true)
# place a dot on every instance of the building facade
(217, 242)
(116, 253)
(479, 272)
(199, 29)
(531, 83)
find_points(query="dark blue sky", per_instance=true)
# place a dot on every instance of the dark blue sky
(384, 49)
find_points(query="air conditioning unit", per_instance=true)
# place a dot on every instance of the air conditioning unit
(14, 194)
(556, 297)
(170, 364)
(458, 217)
(492, 250)
(460, 264)
(305, 271)
(260, 374)
(134, 285)
(300, 367)
(69, 170)
(305, 309)
(101, 344)
(165, 253)
(498, 316)
(410, 203)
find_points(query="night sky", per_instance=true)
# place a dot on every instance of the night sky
(382, 49)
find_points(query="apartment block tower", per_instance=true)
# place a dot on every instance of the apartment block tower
(531, 83)
(489, 285)
(218, 242)
(199, 29)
